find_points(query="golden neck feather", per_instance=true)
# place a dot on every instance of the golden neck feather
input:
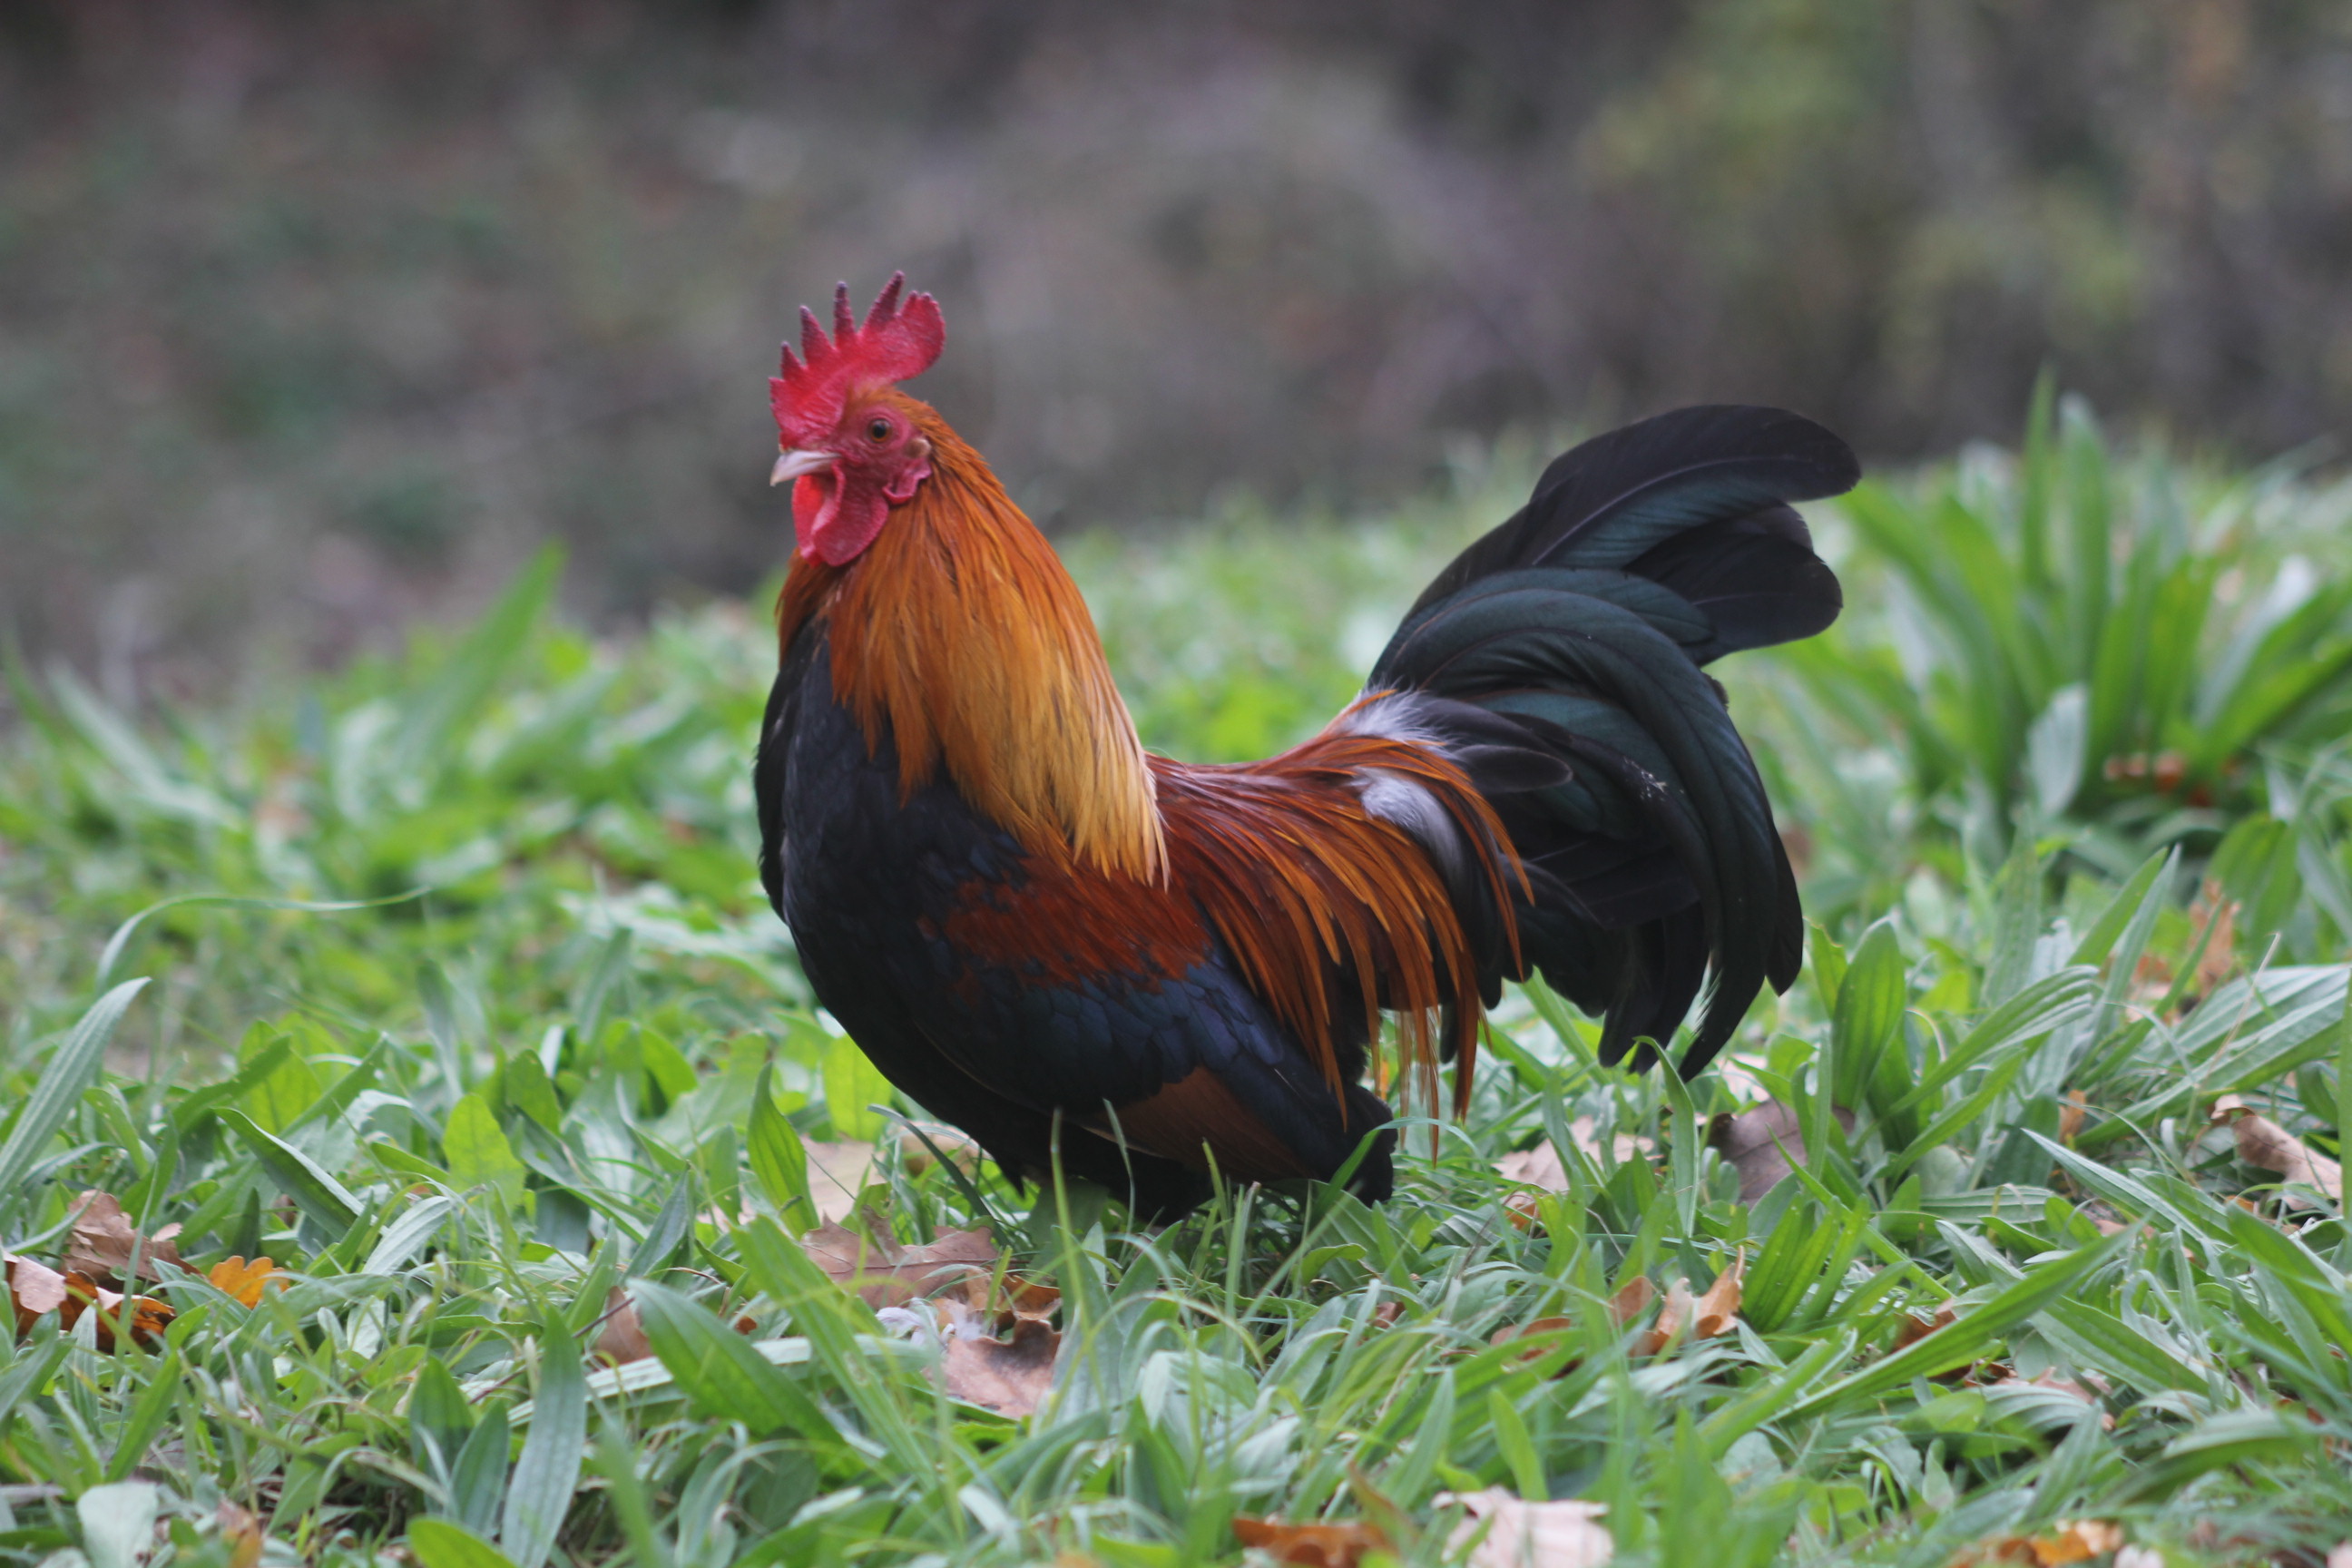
(960, 635)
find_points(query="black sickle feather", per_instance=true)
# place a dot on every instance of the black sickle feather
(1655, 862)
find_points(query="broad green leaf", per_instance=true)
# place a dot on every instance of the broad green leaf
(547, 1472)
(779, 1162)
(478, 1152)
(71, 1069)
(852, 1085)
(314, 1191)
(437, 1544)
(720, 1370)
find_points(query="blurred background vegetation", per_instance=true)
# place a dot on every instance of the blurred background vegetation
(318, 317)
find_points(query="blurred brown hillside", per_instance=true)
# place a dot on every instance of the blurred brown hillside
(315, 315)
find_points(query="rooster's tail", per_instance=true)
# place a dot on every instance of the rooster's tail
(1558, 660)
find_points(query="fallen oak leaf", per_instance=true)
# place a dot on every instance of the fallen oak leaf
(922, 1144)
(837, 1170)
(620, 1333)
(244, 1283)
(103, 1240)
(1010, 1376)
(1760, 1144)
(2073, 1541)
(2267, 1146)
(2071, 1115)
(1512, 1533)
(149, 1317)
(1913, 1329)
(1631, 1299)
(34, 1290)
(884, 1272)
(242, 1531)
(1319, 1545)
(1542, 1168)
(1706, 1317)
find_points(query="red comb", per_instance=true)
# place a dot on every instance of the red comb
(896, 342)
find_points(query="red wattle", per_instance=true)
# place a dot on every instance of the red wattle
(836, 517)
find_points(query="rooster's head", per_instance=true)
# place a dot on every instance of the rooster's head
(845, 435)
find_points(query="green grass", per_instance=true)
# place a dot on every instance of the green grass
(468, 1013)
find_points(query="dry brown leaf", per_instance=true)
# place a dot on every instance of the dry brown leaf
(883, 1272)
(1541, 1166)
(34, 1290)
(621, 1335)
(1760, 1144)
(1913, 1329)
(103, 1240)
(2071, 1114)
(1010, 1376)
(1386, 1314)
(1542, 1169)
(149, 1317)
(243, 1533)
(1004, 1298)
(1528, 1534)
(2220, 956)
(837, 1171)
(2266, 1145)
(1534, 1329)
(2075, 1541)
(1706, 1317)
(1632, 1300)
(1340, 1545)
(245, 1281)
(961, 1150)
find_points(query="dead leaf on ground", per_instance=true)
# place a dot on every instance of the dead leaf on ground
(1521, 1534)
(1321, 1545)
(245, 1281)
(1705, 1317)
(1005, 1298)
(34, 1290)
(959, 1148)
(1912, 1329)
(2212, 911)
(621, 1335)
(1010, 1376)
(2071, 1114)
(1760, 1144)
(1633, 1299)
(2266, 1145)
(884, 1272)
(1542, 1168)
(103, 1240)
(2075, 1541)
(242, 1531)
(837, 1171)
(149, 1317)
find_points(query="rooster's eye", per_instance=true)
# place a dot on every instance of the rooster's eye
(879, 431)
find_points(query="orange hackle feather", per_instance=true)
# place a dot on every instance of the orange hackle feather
(959, 635)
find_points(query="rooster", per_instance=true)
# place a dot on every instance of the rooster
(1158, 973)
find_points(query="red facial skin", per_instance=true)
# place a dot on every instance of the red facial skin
(881, 457)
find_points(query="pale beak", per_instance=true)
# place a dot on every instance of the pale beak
(792, 465)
